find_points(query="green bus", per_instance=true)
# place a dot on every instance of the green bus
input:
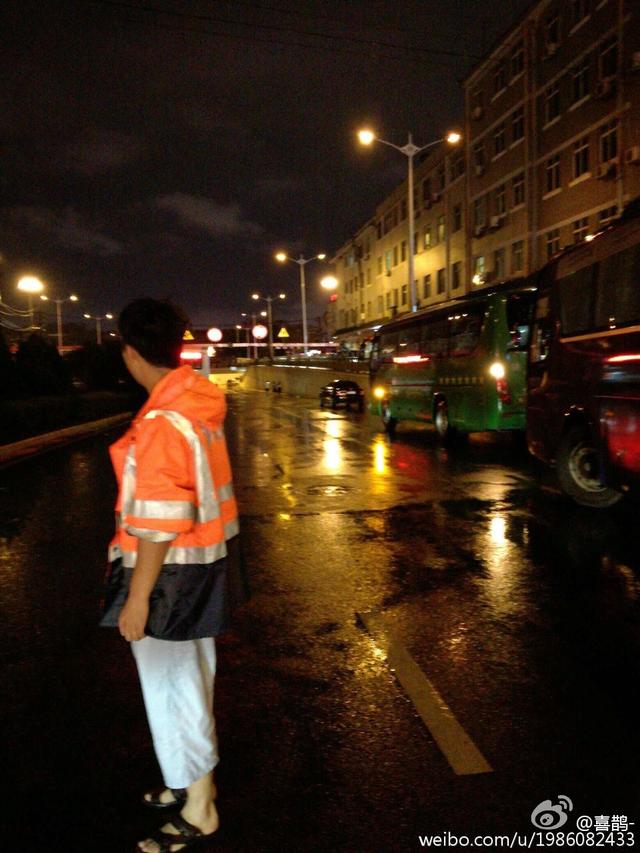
(460, 366)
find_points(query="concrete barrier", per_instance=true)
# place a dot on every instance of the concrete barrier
(299, 380)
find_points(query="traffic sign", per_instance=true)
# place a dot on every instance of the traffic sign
(283, 333)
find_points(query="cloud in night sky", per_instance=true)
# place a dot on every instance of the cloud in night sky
(101, 152)
(204, 214)
(67, 228)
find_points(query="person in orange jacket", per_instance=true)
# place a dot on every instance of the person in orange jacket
(167, 589)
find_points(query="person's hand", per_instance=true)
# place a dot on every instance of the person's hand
(133, 618)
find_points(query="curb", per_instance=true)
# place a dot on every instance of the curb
(50, 440)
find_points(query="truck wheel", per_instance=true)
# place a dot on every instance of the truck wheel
(388, 422)
(578, 466)
(441, 421)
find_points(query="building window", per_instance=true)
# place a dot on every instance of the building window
(479, 212)
(456, 162)
(456, 275)
(477, 103)
(500, 139)
(609, 142)
(388, 298)
(580, 80)
(441, 177)
(403, 209)
(499, 78)
(388, 260)
(498, 263)
(517, 125)
(403, 250)
(478, 157)
(379, 230)
(607, 215)
(553, 242)
(380, 306)
(368, 275)
(517, 185)
(379, 263)
(426, 287)
(404, 294)
(553, 174)
(395, 297)
(426, 190)
(440, 281)
(552, 33)
(517, 59)
(517, 256)
(578, 11)
(457, 218)
(552, 103)
(440, 229)
(415, 243)
(478, 269)
(501, 200)
(427, 237)
(580, 229)
(581, 157)
(608, 59)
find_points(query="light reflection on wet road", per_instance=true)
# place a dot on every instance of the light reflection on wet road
(521, 608)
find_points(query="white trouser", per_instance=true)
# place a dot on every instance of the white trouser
(177, 686)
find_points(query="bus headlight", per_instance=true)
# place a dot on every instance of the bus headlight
(379, 392)
(497, 370)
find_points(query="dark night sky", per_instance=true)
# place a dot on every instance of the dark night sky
(146, 153)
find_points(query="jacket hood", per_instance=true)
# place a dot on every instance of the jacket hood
(189, 393)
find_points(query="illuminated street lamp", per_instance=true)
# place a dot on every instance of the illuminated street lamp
(329, 282)
(282, 257)
(30, 285)
(269, 300)
(368, 137)
(72, 298)
(99, 324)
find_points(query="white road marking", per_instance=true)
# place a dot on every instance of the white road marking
(457, 747)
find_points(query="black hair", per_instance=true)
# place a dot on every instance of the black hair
(155, 330)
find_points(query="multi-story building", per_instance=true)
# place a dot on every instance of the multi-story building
(550, 154)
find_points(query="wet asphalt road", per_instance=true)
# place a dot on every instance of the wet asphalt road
(522, 609)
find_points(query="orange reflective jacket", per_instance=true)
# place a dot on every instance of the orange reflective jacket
(174, 477)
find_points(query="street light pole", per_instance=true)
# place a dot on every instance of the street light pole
(409, 150)
(99, 325)
(269, 300)
(72, 298)
(302, 262)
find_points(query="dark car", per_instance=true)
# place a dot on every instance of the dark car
(342, 392)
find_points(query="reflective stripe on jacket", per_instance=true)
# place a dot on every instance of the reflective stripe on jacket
(174, 474)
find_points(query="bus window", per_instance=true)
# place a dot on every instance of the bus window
(388, 346)
(465, 333)
(435, 338)
(576, 302)
(409, 341)
(519, 314)
(541, 339)
(618, 292)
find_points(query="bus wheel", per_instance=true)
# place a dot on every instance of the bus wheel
(578, 466)
(388, 422)
(441, 421)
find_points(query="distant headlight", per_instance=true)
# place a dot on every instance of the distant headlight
(497, 370)
(379, 392)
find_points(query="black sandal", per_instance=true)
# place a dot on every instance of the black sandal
(154, 802)
(188, 835)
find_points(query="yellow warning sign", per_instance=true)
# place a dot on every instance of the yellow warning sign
(283, 333)
(188, 336)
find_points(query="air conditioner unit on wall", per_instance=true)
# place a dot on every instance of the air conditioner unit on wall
(605, 88)
(608, 170)
(476, 113)
(632, 155)
(496, 221)
(479, 230)
(551, 48)
(634, 65)
(479, 170)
